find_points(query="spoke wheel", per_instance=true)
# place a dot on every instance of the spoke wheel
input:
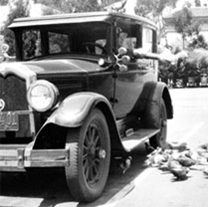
(159, 140)
(89, 158)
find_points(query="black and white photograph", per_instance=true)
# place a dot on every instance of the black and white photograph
(103, 103)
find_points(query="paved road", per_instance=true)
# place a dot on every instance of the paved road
(190, 125)
(141, 185)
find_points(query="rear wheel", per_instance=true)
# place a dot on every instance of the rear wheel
(89, 158)
(159, 140)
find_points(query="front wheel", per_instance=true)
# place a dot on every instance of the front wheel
(159, 140)
(89, 158)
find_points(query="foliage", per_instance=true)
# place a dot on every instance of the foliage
(29, 45)
(185, 25)
(182, 20)
(3, 49)
(153, 9)
(20, 10)
(143, 6)
(4, 2)
(193, 28)
(198, 41)
(68, 6)
(156, 7)
(85, 6)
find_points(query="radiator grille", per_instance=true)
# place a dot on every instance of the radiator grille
(13, 91)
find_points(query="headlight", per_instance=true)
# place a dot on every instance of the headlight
(42, 95)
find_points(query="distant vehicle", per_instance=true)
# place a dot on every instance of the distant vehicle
(78, 96)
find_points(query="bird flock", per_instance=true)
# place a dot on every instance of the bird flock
(179, 159)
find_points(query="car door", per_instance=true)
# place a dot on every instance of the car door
(129, 83)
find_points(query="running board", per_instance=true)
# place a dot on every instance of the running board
(134, 139)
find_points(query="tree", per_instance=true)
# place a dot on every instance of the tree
(21, 9)
(153, 9)
(198, 41)
(4, 2)
(85, 6)
(145, 7)
(68, 6)
(185, 24)
(182, 20)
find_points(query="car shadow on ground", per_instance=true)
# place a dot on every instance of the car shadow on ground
(51, 189)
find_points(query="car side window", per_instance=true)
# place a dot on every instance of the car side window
(147, 40)
(128, 35)
(58, 43)
(125, 40)
(31, 40)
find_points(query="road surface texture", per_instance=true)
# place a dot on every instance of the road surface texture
(141, 185)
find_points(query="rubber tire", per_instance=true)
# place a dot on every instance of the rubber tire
(159, 140)
(86, 181)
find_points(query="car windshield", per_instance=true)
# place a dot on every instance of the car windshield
(83, 39)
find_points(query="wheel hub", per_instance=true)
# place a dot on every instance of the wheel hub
(102, 154)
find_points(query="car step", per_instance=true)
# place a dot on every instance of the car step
(134, 138)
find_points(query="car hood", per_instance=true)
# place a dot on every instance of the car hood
(37, 69)
(62, 66)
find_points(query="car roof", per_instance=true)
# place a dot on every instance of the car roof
(77, 18)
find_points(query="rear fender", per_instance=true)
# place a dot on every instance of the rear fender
(150, 98)
(153, 105)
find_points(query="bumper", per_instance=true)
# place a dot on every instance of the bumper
(19, 157)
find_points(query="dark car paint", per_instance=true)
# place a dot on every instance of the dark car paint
(121, 92)
(82, 75)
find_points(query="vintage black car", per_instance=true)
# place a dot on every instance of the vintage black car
(82, 91)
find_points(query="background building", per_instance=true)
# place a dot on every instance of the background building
(199, 10)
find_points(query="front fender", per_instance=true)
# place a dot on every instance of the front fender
(75, 108)
(71, 113)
